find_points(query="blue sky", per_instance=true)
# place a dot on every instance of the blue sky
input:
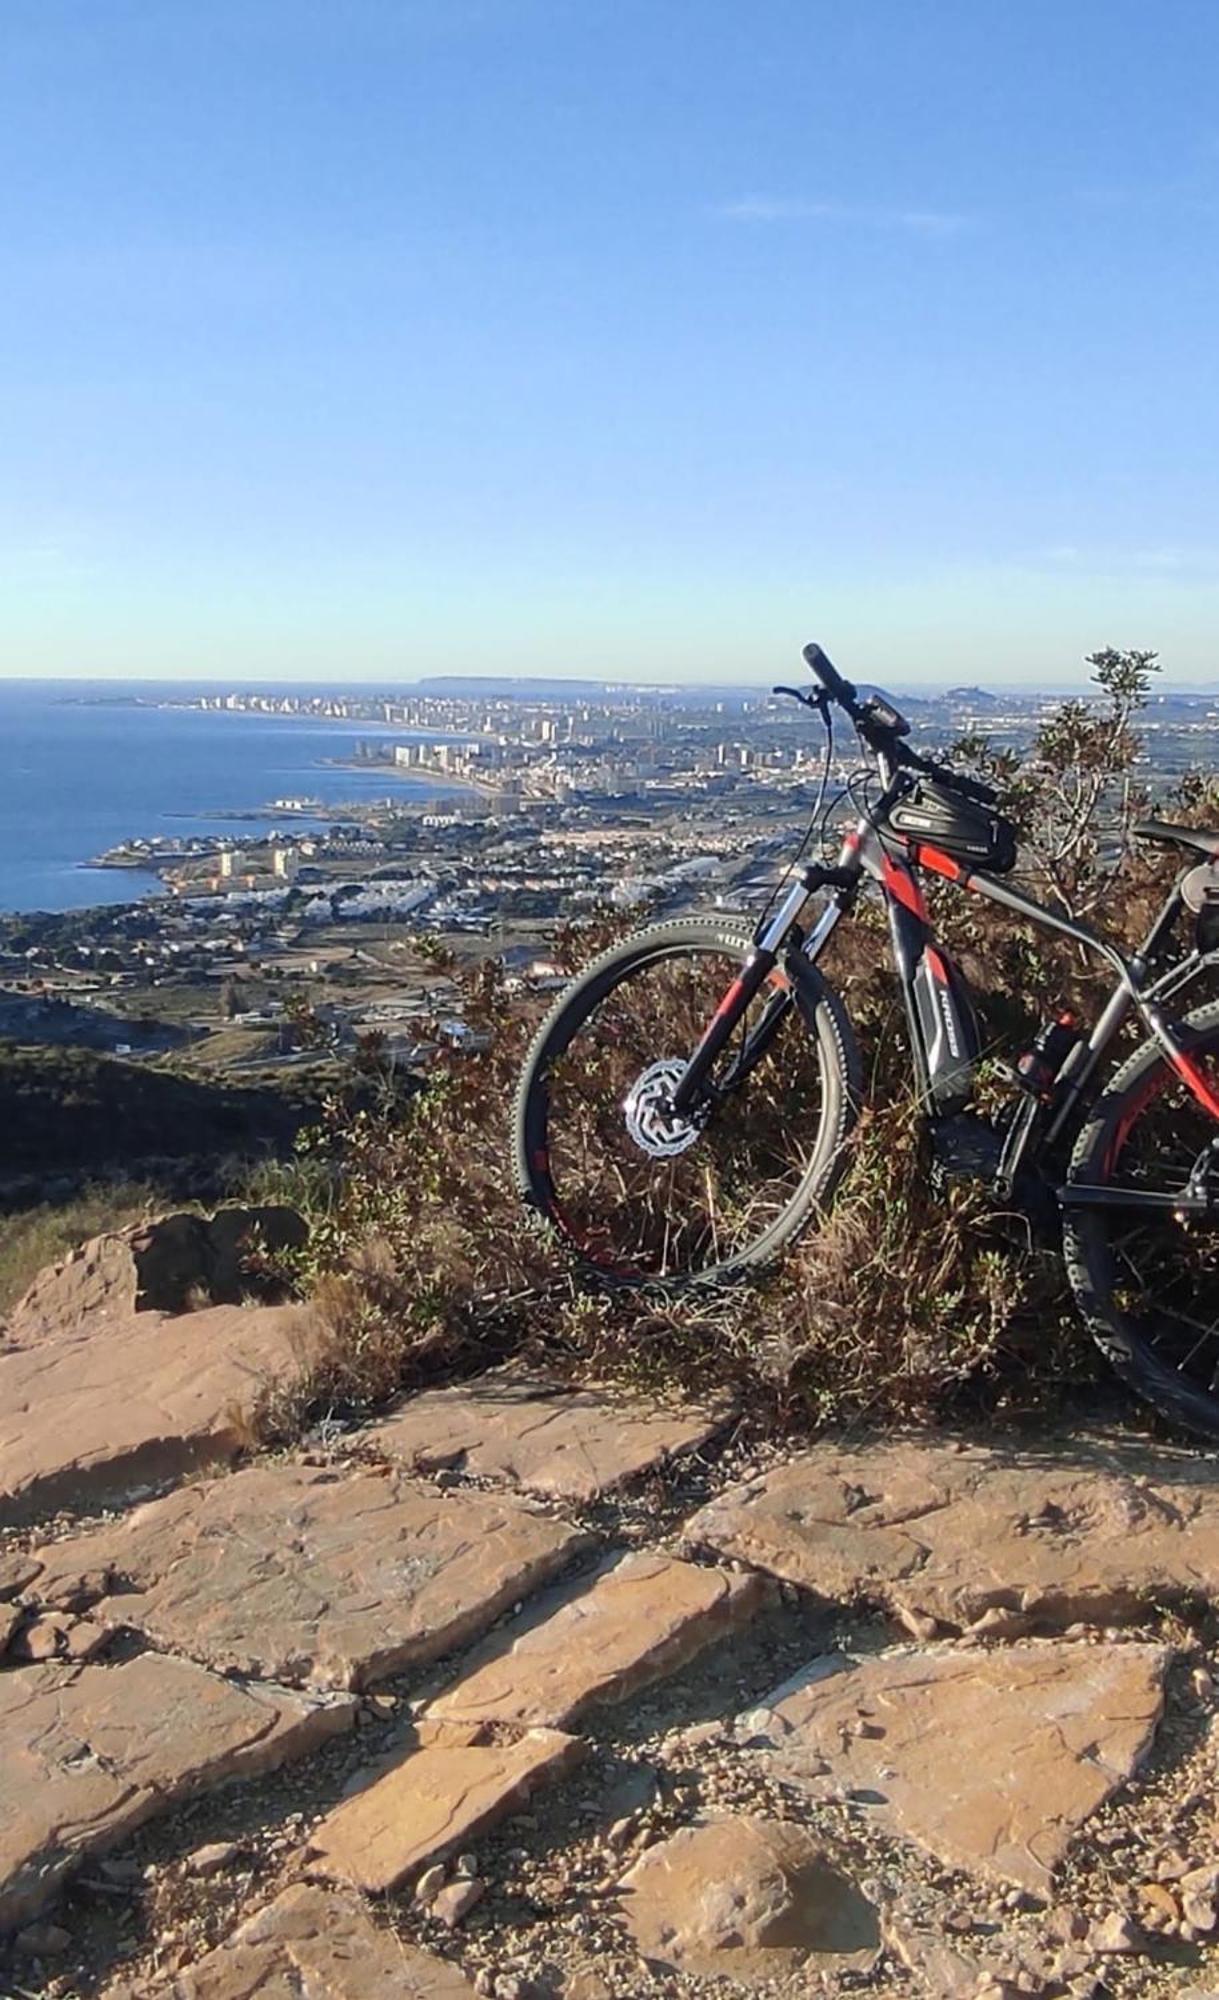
(645, 337)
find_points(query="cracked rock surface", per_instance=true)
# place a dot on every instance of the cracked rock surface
(572, 1443)
(549, 1694)
(992, 1760)
(87, 1419)
(979, 1539)
(89, 1753)
(292, 1573)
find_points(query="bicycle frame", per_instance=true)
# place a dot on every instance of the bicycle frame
(939, 1012)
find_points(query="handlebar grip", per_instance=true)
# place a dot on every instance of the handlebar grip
(827, 673)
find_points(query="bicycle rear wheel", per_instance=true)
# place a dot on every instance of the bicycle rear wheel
(1147, 1281)
(641, 1197)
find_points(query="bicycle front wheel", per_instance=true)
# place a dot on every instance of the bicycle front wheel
(642, 1197)
(1147, 1279)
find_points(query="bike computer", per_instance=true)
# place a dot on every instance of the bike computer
(880, 710)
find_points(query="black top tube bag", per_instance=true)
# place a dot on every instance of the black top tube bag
(969, 831)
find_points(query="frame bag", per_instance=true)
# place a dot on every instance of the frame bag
(972, 833)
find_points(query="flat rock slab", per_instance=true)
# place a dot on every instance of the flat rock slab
(989, 1759)
(298, 1574)
(749, 1900)
(311, 1944)
(96, 1413)
(543, 1435)
(87, 1754)
(441, 1792)
(978, 1540)
(600, 1640)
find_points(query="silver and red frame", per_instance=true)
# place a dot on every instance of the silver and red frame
(943, 1029)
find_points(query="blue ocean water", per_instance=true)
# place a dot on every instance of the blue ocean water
(79, 772)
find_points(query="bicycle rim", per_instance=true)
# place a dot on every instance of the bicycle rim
(1155, 1277)
(643, 1200)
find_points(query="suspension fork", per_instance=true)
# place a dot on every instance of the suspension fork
(757, 969)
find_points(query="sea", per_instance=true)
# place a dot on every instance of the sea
(85, 765)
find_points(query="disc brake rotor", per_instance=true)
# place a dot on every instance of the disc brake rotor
(650, 1120)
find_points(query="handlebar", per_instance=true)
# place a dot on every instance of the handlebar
(881, 735)
(844, 694)
(972, 788)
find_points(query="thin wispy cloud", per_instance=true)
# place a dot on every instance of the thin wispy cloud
(911, 221)
(1165, 560)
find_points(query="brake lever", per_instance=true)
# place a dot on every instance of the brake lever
(814, 698)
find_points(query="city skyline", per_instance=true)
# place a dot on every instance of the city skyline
(626, 342)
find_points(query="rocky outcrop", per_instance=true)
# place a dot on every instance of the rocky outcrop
(87, 1754)
(573, 1443)
(991, 1760)
(173, 1264)
(978, 1540)
(96, 1412)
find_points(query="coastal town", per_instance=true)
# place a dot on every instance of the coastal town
(510, 810)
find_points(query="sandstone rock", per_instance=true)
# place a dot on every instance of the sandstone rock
(16, 1570)
(430, 1883)
(43, 1940)
(746, 1898)
(547, 1436)
(1159, 1909)
(599, 1640)
(89, 1753)
(214, 1858)
(940, 1968)
(945, 1538)
(1198, 1909)
(295, 1574)
(317, 1943)
(41, 1639)
(167, 1265)
(86, 1640)
(12, 1618)
(90, 1414)
(991, 1760)
(453, 1904)
(421, 1806)
(1114, 1935)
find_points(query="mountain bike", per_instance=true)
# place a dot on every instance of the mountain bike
(684, 1110)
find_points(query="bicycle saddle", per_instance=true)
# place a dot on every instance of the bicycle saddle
(1194, 837)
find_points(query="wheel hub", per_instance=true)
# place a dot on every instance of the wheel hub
(650, 1119)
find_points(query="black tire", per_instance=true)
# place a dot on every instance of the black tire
(577, 1165)
(1148, 1287)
